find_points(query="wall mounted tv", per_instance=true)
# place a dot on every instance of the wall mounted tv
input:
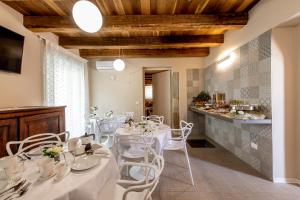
(11, 50)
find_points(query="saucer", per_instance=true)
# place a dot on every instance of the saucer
(85, 162)
(96, 146)
(47, 177)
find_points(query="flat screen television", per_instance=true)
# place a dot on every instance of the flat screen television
(11, 50)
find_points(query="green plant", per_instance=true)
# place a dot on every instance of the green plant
(203, 96)
(52, 152)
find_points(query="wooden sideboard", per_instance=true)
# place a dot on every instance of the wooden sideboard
(19, 123)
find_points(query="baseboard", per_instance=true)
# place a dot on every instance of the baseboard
(287, 180)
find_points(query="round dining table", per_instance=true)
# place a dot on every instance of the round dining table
(96, 183)
(160, 135)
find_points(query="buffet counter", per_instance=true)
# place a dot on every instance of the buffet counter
(228, 116)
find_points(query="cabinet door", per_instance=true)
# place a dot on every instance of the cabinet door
(8, 132)
(44, 123)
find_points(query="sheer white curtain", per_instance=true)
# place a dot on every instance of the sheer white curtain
(64, 84)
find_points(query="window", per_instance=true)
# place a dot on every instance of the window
(64, 84)
(148, 92)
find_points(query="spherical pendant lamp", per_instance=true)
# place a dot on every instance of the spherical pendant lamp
(119, 64)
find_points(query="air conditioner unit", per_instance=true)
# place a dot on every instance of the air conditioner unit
(104, 65)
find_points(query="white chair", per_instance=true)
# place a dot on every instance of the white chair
(179, 143)
(37, 142)
(133, 147)
(154, 118)
(143, 189)
(129, 115)
(107, 128)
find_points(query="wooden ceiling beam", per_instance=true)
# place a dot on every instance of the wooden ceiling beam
(146, 7)
(141, 22)
(55, 7)
(201, 6)
(143, 53)
(189, 41)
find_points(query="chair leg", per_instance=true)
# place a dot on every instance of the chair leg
(188, 160)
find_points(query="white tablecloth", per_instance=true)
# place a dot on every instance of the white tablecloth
(161, 135)
(92, 184)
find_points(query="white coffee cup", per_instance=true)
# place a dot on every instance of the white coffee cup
(13, 169)
(46, 166)
(10, 162)
(73, 143)
(79, 150)
(61, 170)
(86, 140)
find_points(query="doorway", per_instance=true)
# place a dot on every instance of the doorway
(157, 93)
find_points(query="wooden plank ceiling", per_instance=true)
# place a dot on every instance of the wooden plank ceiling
(139, 28)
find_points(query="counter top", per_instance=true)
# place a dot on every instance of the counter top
(228, 118)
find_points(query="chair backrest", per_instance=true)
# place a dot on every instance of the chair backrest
(65, 134)
(110, 125)
(154, 118)
(186, 129)
(159, 163)
(144, 141)
(37, 141)
(129, 115)
(153, 172)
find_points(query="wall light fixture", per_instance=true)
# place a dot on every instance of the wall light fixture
(225, 62)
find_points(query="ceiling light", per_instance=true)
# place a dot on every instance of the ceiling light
(87, 16)
(119, 65)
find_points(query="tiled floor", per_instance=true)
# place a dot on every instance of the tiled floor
(218, 175)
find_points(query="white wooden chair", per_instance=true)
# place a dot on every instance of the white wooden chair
(37, 142)
(179, 142)
(143, 189)
(154, 118)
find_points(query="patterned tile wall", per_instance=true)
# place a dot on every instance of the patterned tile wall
(175, 100)
(194, 86)
(249, 79)
(237, 139)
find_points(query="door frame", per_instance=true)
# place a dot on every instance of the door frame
(170, 69)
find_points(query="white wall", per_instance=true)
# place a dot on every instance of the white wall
(297, 96)
(284, 102)
(125, 93)
(287, 41)
(264, 16)
(25, 89)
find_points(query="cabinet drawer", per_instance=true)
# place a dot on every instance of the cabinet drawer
(8, 132)
(42, 123)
